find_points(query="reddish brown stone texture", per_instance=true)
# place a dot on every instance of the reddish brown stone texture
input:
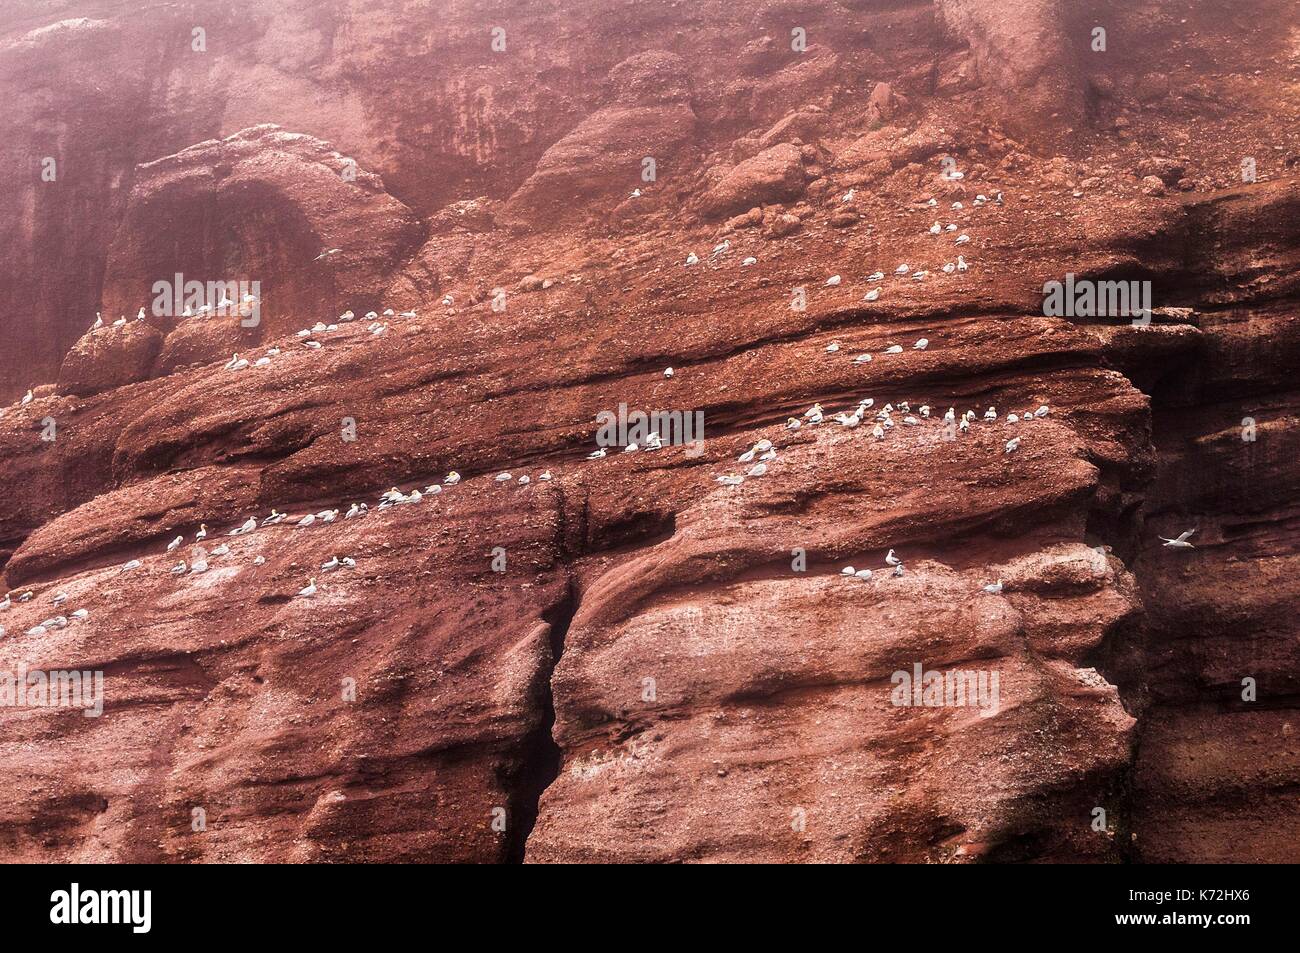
(651, 677)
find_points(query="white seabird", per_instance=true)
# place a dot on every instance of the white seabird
(307, 520)
(596, 454)
(59, 598)
(505, 477)
(248, 526)
(1042, 411)
(832, 347)
(936, 228)
(99, 322)
(202, 533)
(275, 517)
(27, 398)
(1179, 543)
(1012, 445)
(832, 281)
(175, 543)
(792, 423)
(221, 550)
(961, 263)
(892, 560)
(751, 260)
(921, 344)
(757, 470)
(871, 295)
(452, 478)
(308, 590)
(962, 239)
(863, 574)
(545, 475)
(902, 269)
(331, 564)
(994, 587)
(133, 564)
(668, 372)
(862, 359)
(878, 432)
(81, 613)
(730, 479)
(991, 414)
(896, 349)
(692, 259)
(876, 276)
(847, 571)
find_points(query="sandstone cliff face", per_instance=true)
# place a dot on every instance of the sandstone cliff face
(624, 658)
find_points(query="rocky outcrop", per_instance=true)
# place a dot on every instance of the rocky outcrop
(109, 357)
(663, 640)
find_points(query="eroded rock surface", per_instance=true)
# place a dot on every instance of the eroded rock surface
(625, 658)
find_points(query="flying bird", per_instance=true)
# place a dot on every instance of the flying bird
(1180, 542)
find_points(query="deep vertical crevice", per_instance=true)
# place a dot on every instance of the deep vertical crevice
(541, 756)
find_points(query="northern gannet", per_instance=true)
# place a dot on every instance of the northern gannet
(876, 276)
(525, 479)
(308, 590)
(175, 543)
(275, 517)
(792, 423)
(991, 414)
(862, 574)
(353, 510)
(898, 570)
(892, 560)
(81, 613)
(331, 564)
(994, 587)
(878, 432)
(902, 269)
(307, 520)
(221, 550)
(746, 456)
(27, 398)
(36, 630)
(730, 480)
(832, 281)
(120, 321)
(668, 372)
(234, 359)
(27, 596)
(59, 598)
(692, 259)
(505, 477)
(757, 470)
(327, 253)
(139, 316)
(262, 362)
(5, 603)
(950, 416)
(1013, 419)
(862, 359)
(1179, 543)
(911, 421)
(200, 564)
(452, 478)
(722, 246)
(99, 322)
(248, 526)
(448, 301)
(258, 560)
(848, 420)
(328, 516)
(202, 533)
(546, 475)
(847, 197)
(950, 228)
(347, 316)
(964, 426)
(832, 347)
(133, 564)
(751, 260)
(936, 228)
(896, 349)
(962, 239)
(846, 571)
(814, 411)
(1042, 411)
(180, 569)
(314, 345)
(406, 314)
(949, 268)
(871, 295)
(925, 411)
(921, 344)
(349, 562)
(630, 448)
(1012, 445)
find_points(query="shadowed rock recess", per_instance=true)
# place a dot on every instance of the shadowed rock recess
(470, 229)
